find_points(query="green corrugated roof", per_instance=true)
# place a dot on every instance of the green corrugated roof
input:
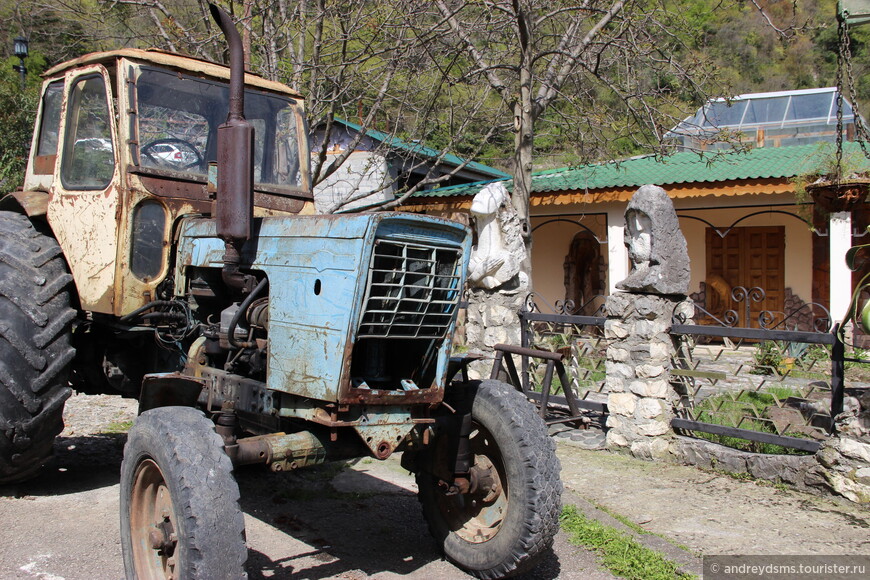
(689, 167)
(423, 151)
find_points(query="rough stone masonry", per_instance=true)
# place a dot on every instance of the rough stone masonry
(641, 400)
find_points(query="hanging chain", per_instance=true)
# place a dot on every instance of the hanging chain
(842, 40)
(844, 62)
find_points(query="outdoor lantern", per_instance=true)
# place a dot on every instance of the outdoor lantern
(20, 47)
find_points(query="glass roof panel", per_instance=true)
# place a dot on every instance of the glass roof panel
(719, 114)
(817, 106)
(765, 111)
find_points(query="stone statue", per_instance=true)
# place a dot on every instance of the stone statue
(656, 246)
(500, 251)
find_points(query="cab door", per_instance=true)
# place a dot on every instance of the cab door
(84, 204)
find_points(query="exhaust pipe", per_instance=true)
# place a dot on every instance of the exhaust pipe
(235, 164)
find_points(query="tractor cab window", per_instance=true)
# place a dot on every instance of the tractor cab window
(88, 155)
(50, 119)
(178, 116)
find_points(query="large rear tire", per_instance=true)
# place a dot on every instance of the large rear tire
(180, 515)
(503, 529)
(35, 345)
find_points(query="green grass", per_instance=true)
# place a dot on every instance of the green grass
(621, 554)
(118, 427)
(746, 411)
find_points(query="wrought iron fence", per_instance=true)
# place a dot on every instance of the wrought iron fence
(562, 357)
(771, 385)
(778, 384)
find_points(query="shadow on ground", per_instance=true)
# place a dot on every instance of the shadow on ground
(354, 525)
(337, 520)
(79, 464)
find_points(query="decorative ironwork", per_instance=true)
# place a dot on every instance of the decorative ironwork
(578, 343)
(772, 385)
(825, 323)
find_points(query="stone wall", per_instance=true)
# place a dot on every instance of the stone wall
(641, 400)
(491, 318)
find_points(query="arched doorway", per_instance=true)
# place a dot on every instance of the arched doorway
(583, 278)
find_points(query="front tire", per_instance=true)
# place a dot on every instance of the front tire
(502, 530)
(180, 515)
(35, 346)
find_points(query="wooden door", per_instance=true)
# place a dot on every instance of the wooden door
(751, 257)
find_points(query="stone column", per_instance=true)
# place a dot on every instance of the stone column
(617, 257)
(492, 318)
(497, 286)
(840, 240)
(640, 399)
(845, 458)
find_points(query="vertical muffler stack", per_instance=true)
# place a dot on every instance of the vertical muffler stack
(235, 164)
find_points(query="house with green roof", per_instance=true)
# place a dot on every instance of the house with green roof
(378, 165)
(743, 221)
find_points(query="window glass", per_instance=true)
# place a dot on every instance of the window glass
(146, 247)
(50, 119)
(720, 114)
(178, 120)
(812, 106)
(88, 156)
(765, 111)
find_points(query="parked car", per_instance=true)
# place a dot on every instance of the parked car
(172, 155)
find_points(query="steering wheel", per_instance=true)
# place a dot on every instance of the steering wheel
(173, 159)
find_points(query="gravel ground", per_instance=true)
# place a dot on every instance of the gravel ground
(357, 522)
(361, 520)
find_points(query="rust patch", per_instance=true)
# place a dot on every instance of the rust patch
(391, 397)
(172, 187)
(44, 164)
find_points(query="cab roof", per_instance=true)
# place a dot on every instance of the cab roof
(168, 59)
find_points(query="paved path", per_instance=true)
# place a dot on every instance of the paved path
(364, 521)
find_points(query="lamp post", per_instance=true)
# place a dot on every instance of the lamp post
(19, 47)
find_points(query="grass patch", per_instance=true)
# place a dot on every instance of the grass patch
(637, 528)
(621, 554)
(118, 427)
(746, 411)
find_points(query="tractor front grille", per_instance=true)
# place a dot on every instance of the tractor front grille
(412, 291)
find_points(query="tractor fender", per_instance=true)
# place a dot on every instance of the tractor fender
(31, 203)
(169, 390)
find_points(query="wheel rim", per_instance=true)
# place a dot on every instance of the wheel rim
(476, 517)
(152, 525)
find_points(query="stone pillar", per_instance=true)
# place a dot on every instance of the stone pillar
(492, 318)
(845, 458)
(840, 240)
(497, 286)
(640, 399)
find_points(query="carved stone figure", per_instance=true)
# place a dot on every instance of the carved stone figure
(496, 258)
(656, 245)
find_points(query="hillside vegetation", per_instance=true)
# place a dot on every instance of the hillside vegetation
(334, 51)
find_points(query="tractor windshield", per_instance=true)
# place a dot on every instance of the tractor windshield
(178, 116)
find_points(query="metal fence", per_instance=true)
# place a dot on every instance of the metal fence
(755, 388)
(562, 357)
(767, 389)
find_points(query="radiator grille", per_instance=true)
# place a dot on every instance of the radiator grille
(412, 291)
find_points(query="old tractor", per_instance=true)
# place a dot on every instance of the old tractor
(164, 247)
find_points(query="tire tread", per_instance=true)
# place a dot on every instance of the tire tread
(543, 487)
(35, 344)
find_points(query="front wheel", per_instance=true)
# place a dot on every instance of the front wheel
(500, 528)
(180, 515)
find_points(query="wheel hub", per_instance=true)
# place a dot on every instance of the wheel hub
(476, 516)
(152, 525)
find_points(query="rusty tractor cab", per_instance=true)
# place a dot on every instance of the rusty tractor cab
(164, 247)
